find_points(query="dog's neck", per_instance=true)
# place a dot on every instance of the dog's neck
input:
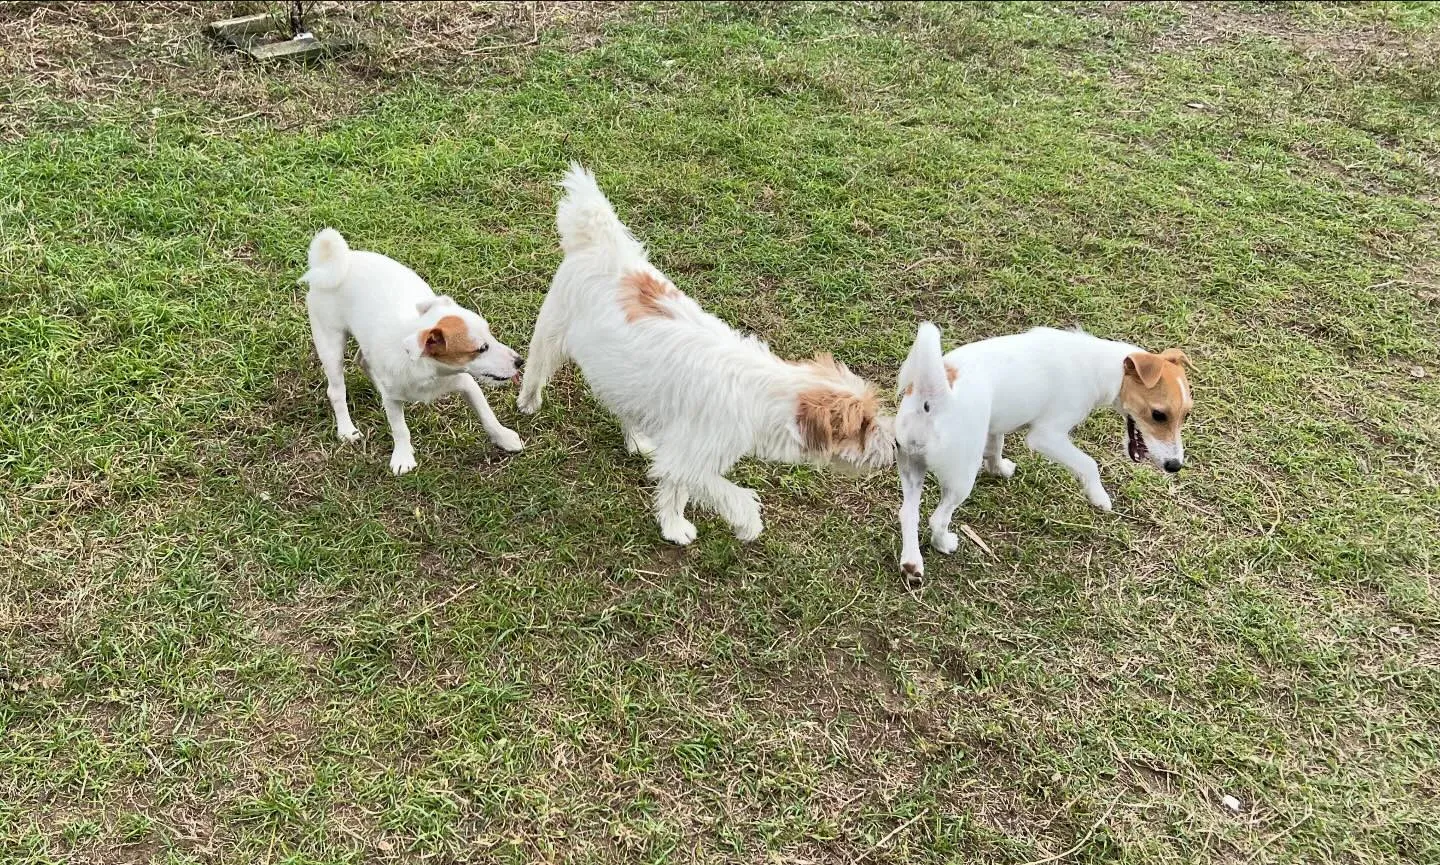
(1111, 372)
(412, 377)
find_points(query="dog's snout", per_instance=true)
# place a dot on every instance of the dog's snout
(1172, 466)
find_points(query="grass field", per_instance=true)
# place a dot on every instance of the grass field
(227, 638)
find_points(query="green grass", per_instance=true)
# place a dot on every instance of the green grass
(227, 638)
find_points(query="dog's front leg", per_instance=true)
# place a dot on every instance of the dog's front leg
(738, 506)
(670, 499)
(1056, 445)
(402, 460)
(502, 436)
(912, 485)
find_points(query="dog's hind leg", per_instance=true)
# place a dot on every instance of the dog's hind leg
(502, 436)
(957, 478)
(995, 464)
(547, 354)
(1056, 444)
(330, 347)
(912, 485)
(954, 491)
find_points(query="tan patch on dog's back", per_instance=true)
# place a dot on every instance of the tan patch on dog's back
(449, 341)
(951, 373)
(643, 295)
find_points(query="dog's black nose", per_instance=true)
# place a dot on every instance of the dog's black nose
(1173, 466)
(519, 363)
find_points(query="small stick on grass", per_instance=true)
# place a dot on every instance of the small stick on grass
(1083, 841)
(975, 539)
(890, 836)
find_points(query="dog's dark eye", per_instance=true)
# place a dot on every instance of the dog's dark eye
(482, 349)
(1159, 416)
(926, 406)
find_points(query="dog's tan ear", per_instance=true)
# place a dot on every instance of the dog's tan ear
(432, 340)
(1145, 366)
(1176, 356)
(830, 419)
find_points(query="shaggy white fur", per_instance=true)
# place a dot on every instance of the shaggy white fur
(687, 389)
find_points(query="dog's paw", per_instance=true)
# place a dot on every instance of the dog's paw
(678, 531)
(528, 403)
(944, 542)
(1100, 499)
(913, 573)
(1004, 469)
(402, 463)
(750, 528)
(638, 444)
(348, 435)
(507, 440)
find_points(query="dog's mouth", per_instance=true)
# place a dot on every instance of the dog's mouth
(503, 378)
(1134, 442)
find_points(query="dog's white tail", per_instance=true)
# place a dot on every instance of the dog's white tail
(329, 260)
(586, 220)
(925, 367)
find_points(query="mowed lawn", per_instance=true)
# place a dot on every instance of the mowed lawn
(227, 638)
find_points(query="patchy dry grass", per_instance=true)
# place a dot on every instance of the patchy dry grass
(224, 638)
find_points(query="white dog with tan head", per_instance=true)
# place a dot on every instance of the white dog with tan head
(687, 389)
(956, 409)
(415, 346)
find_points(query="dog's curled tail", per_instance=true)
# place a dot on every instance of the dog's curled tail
(586, 220)
(329, 260)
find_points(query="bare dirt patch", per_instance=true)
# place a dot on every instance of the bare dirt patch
(1192, 25)
(95, 56)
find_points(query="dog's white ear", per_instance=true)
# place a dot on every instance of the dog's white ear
(924, 369)
(425, 306)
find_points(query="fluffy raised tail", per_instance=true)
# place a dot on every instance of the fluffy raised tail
(586, 220)
(924, 369)
(329, 260)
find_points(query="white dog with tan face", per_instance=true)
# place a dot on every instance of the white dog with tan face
(415, 346)
(956, 409)
(688, 390)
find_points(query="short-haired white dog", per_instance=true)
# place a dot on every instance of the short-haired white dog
(415, 346)
(956, 409)
(688, 390)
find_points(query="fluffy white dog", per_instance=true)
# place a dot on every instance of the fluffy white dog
(414, 345)
(688, 390)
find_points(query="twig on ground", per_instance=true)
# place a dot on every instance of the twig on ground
(1083, 841)
(890, 836)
